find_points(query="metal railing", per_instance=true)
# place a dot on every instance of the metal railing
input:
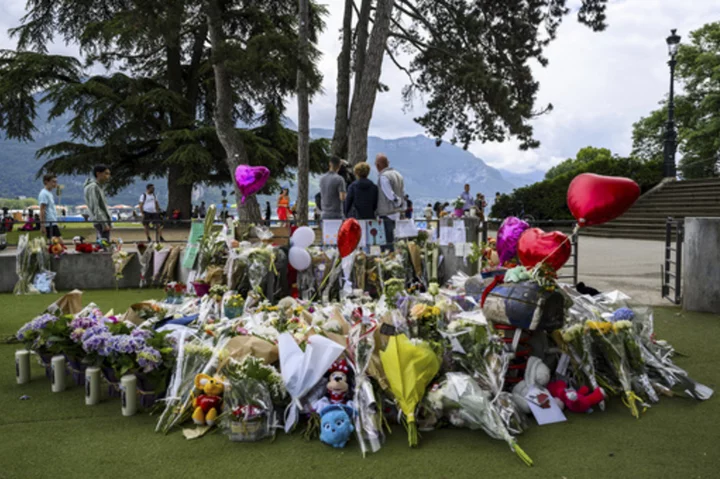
(671, 269)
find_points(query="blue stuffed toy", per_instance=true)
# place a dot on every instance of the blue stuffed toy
(336, 424)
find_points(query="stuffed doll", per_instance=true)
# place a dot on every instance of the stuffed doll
(536, 374)
(576, 401)
(56, 247)
(82, 247)
(207, 404)
(336, 424)
(338, 385)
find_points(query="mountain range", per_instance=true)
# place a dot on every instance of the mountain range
(431, 173)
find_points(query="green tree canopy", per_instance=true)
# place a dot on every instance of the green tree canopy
(584, 156)
(155, 118)
(697, 109)
(547, 199)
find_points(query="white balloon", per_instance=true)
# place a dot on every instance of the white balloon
(299, 258)
(303, 237)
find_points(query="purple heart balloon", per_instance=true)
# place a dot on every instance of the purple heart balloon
(250, 179)
(508, 237)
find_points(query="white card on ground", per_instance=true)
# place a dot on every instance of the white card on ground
(330, 230)
(548, 415)
(405, 229)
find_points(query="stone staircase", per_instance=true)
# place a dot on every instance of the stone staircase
(646, 219)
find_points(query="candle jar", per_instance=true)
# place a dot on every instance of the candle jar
(128, 387)
(92, 386)
(57, 373)
(22, 366)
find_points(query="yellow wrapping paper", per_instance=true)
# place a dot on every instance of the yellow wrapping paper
(409, 368)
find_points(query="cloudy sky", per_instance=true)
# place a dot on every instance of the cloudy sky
(599, 83)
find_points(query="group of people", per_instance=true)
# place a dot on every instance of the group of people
(362, 199)
(98, 210)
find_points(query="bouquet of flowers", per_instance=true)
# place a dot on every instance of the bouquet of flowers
(409, 368)
(467, 405)
(425, 322)
(33, 261)
(578, 346)
(36, 335)
(175, 292)
(252, 389)
(193, 357)
(233, 306)
(261, 261)
(606, 338)
(360, 347)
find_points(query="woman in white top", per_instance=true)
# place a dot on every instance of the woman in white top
(150, 211)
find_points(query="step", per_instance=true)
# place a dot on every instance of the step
(624, 234)
(692, 183)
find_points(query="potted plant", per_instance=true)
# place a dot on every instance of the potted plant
(234, 306)
(201, 287)
(458, 204)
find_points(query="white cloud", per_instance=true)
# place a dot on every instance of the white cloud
(599, 83)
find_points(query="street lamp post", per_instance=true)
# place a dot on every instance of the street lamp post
(670, 134)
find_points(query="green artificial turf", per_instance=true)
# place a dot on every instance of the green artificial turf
(56, 435)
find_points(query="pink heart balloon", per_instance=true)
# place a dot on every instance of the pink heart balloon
(250, 179)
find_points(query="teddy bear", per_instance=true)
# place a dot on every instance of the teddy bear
(536, 374)
(208, 403)
(336, 424)
(581, 400)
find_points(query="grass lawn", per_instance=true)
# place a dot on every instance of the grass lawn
(56, 435)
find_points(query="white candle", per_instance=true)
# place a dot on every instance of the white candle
(57, 373)
(22, 366)
(92, 386)
(128, 386)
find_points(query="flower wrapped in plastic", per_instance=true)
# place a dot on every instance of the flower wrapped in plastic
(606, 339)
(409, 368)
(194, 357)
(261, 261)
(360, 347)
(578, 346)
(302, 370)
(664, 374)
(252, 388)
(641, 380)
(467, 405)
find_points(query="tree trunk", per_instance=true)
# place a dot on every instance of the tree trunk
(303, 118)
(224, 123)
(179, 194)
(364, 96)
(342, 105)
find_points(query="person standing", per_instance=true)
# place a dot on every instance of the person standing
(391, 194)
(332, 191)
(283, 208)
(267, 213)
(480, 205)
(467, 198)
(428, 212)
(150, 211)
(48, 213)
(409, 207)
(202, 211)
(362, 195)
(96, 202)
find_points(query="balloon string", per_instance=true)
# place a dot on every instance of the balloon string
(572, 235)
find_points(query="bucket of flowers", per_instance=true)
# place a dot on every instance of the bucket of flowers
(458, 204)
(233, 307)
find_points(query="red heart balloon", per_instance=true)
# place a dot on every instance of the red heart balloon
(595, 199)
(349, 236)
(535, 245)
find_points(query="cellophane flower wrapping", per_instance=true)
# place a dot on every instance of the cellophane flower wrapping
(466, 404)
(251, 390)
(32, 260)
(302, 370)
(368, 421)
(194, 356)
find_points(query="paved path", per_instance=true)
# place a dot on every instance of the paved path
(632, 266)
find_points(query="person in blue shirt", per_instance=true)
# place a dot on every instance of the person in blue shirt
(467, 198)
(48, 214)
